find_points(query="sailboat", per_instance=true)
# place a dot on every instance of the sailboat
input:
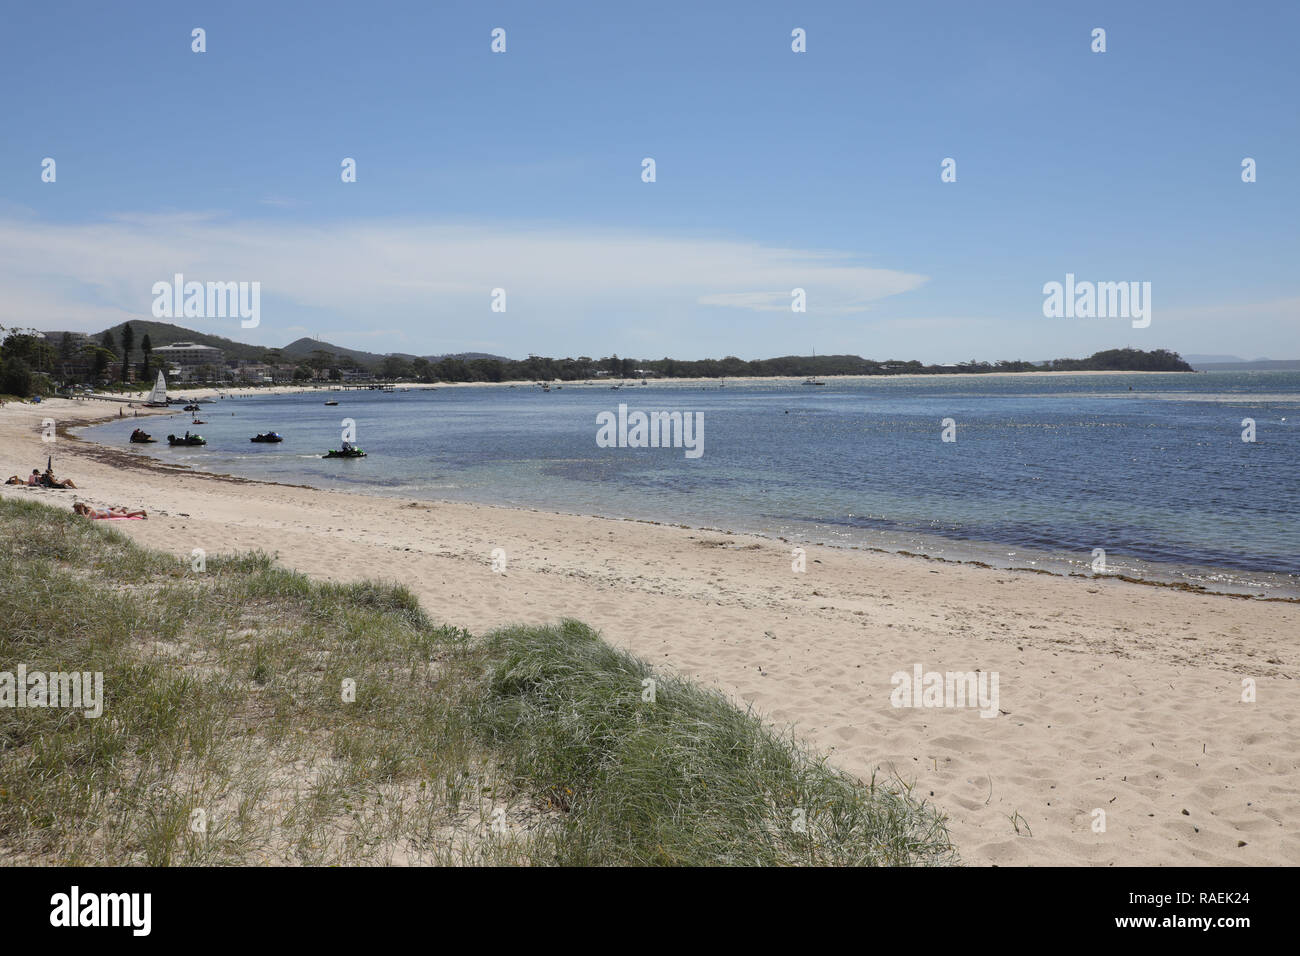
(158, 397)
(812, 379)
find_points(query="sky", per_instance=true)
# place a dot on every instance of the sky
(774, 170)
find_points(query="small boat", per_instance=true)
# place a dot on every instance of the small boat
(157, 398)
(190, 408)
(812, 379)
(348, 452)
(267, 437)
(187, 440)
(141, 437)
(197, 422)
(331, 402)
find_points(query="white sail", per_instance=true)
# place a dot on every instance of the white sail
(159, 394)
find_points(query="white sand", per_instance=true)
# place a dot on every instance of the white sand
(1120, 697)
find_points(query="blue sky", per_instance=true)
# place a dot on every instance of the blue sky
(522, 171)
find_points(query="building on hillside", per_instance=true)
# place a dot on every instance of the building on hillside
(255, 372)
(189, 354)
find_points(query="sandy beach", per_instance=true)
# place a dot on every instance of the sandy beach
(206, 392)
(1114, 697)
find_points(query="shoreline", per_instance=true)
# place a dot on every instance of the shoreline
(144, 462)
(1113, 696)
(239, 391)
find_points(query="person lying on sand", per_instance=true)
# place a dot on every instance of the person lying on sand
(49, 481)
(113, 512)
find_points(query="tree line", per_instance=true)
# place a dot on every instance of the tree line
(540, 368)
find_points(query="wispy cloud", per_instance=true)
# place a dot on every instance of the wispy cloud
(405, 282)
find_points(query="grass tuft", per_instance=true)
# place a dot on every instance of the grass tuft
(252, 715)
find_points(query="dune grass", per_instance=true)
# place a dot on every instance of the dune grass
(228, 736)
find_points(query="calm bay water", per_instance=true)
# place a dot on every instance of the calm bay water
(1043, 471)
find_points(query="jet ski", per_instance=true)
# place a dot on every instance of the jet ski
(348, 451)
(268, 437)
(187, 440)
(141, 437)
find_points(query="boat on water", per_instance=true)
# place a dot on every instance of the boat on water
(190, 408)
(268, 437)
(347, 451)
(331, 402)
(157, 397)
(187, 441)
(198, 422)
(812, 379)
(141, 437)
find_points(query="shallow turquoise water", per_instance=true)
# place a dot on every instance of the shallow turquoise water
(1043, 471)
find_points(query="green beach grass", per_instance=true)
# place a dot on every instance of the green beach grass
(226, 738)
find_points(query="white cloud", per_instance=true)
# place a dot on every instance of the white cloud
(413, 281)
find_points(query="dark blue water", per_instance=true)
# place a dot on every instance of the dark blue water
(1043, 471)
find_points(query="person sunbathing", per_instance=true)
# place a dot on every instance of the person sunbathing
(112, 512)
(49, 481)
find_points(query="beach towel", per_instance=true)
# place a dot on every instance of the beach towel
(118, 517)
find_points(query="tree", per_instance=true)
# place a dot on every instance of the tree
(102, 357)
(146, 347)
(128, 343)
(320, 359)
(394, 367)
(16, 377)
(24, 353)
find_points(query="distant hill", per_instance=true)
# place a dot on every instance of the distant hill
(482, 366)
(302, 348)
(164, 333)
